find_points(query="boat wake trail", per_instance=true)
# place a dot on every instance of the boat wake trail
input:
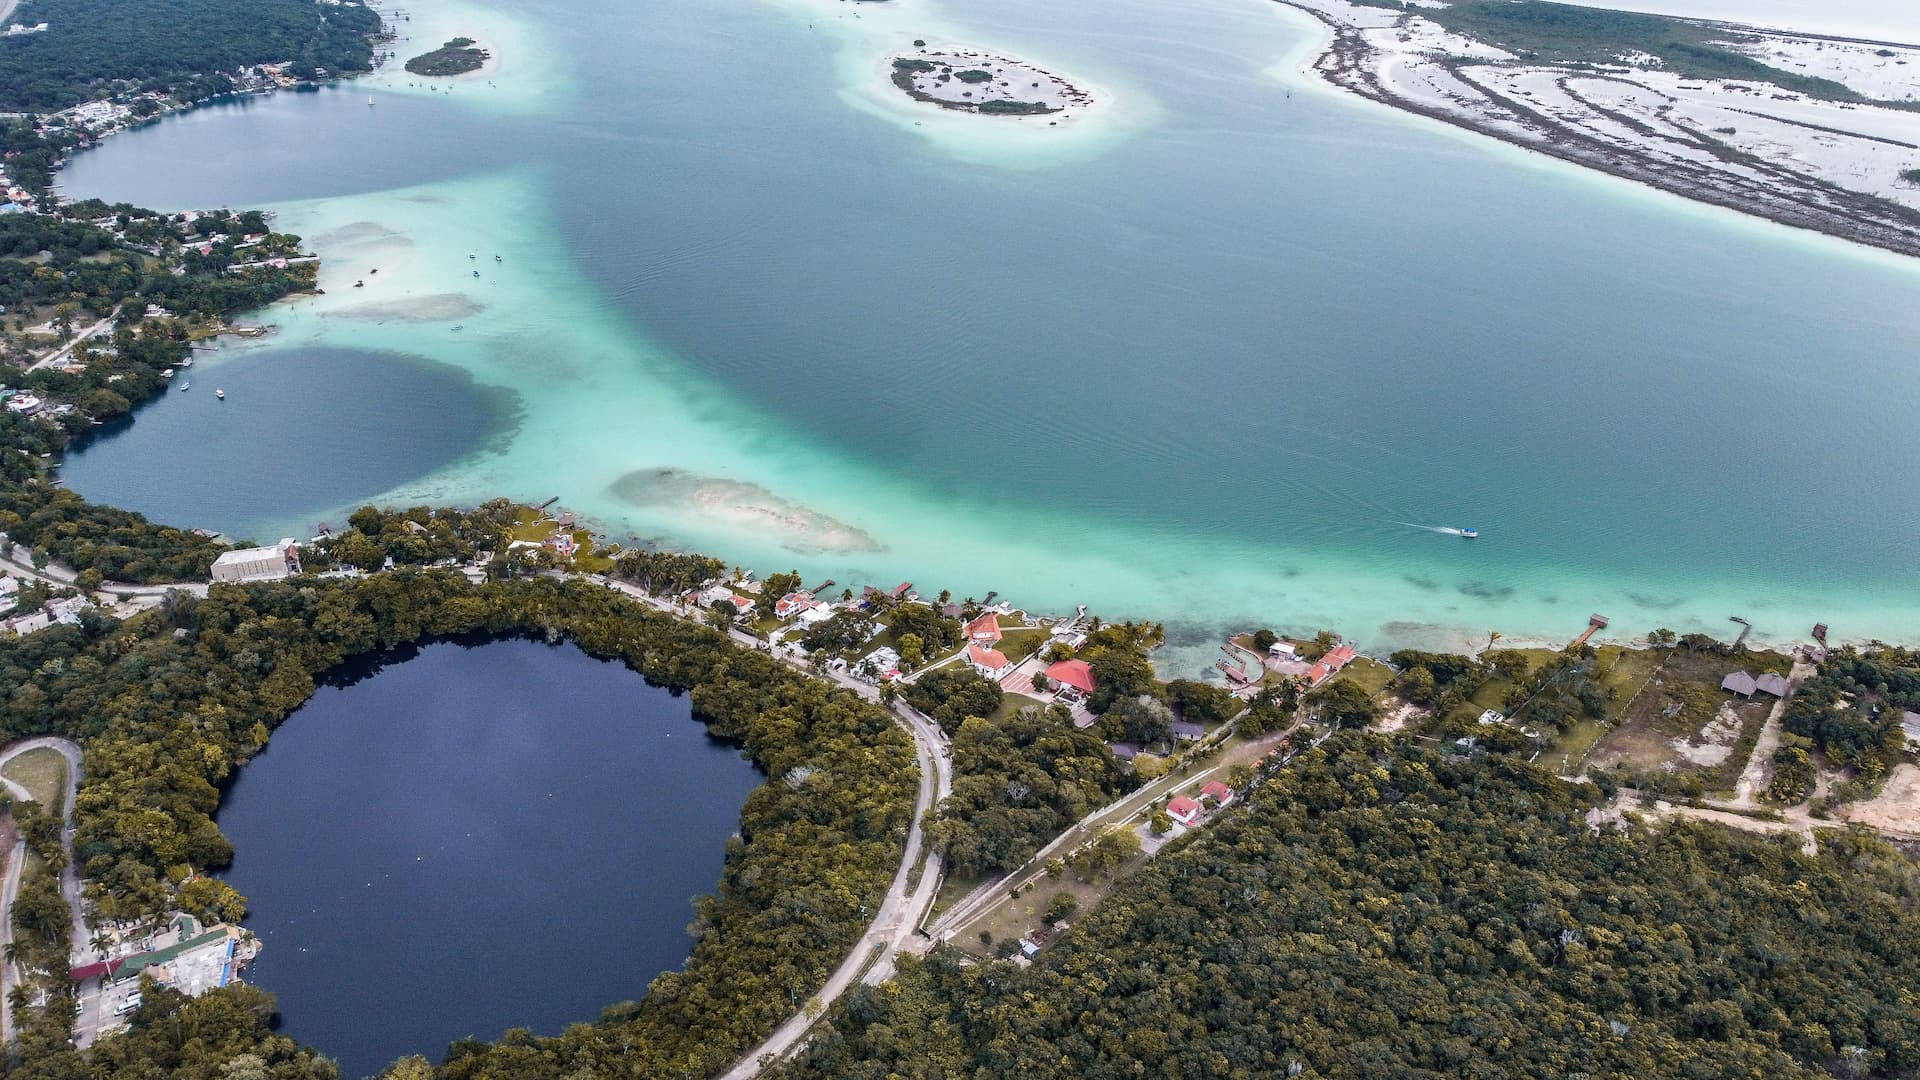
(1444, 530)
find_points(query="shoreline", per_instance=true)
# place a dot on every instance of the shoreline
(1350, 64)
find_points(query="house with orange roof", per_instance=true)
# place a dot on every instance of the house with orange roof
(1184, 810)
(793, 604)
(1074, 677)
(984, 630)
(1220, 793)
(989, 662)
(1329, 665)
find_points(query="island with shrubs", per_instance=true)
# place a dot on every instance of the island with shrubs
(968, 80)
(456, 57)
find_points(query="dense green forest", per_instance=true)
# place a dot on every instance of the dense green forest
(1018, 782)
(175, 47)
(1377, 911)
(169, 703)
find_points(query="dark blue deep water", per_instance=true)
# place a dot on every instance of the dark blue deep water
(475, 838)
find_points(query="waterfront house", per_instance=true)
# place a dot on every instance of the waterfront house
(1184, 810)
(1329, 665)
(1282, 650)
(1739, 682)
(1221, 794)
(793, 604)
(989, 662)
(742, 607)
(715, 594)
(1772, 684)
(984, 630)
(1073, 677)
(258, 564)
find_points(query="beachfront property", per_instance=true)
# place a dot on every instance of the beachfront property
(1329, 665)
(272, 563)
(794, 603)
(985, 630)
(1744, 685)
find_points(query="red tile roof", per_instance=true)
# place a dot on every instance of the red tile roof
(1221, 792)
(1184, 807)
(1074, 673)
(991, 659)
(986, 626)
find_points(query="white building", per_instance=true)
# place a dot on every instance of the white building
(258, 564)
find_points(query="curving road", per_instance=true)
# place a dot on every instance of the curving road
(69, 877)
(901, 911)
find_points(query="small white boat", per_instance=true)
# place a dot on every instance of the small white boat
(185, 386)
(1471, 534)
(167, 374)
(456, 327)
(219, 393)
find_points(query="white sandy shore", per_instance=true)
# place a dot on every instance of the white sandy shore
(1748, 146)
(1024, 81)
(521, 75)
(870, 36)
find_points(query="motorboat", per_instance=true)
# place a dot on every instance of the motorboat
(1470, 534)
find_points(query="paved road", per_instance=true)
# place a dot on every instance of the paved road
(990, 895)
(69, 877)
(900, 913)
(104, 326)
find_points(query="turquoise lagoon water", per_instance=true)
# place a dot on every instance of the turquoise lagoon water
(1214, 356)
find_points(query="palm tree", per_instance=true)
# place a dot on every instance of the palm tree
(1492, 636)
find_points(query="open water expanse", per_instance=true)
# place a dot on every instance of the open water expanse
(475, 838)
(1218, 354)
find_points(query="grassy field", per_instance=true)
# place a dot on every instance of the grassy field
(1013, 703)
(1369, 675)
(42, 772)
(1566, 34)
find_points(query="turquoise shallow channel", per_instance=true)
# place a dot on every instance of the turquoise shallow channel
(1227, 349)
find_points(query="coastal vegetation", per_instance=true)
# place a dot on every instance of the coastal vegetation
(1017, 783)
(1390, 911)
(1544, 32)
(1850, 714)
(170, 702)
(95, 48)
(456, 57)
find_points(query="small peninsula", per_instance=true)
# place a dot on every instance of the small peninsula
(456, 57)
(971, 81)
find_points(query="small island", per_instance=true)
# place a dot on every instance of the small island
(456, 57)
(979, 82)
